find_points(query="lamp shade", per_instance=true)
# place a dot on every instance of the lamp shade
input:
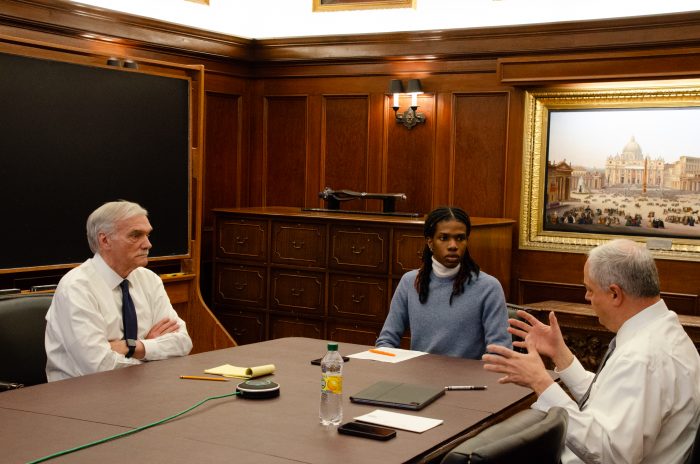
(395, 86)
(414, 86)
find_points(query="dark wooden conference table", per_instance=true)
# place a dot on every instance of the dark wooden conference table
(45, 419)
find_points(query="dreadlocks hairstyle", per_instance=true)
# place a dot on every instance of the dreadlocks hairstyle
(422, 283)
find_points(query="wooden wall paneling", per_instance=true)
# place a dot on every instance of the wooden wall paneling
(480, 131)
(314, 155)
(222, 165)
(376, 143)
(222, 170)
(444, 154)
(679, 276)
(682, 303)
(409, 156)
(345, 142)
(532, 291)
(256, 158)
(285, 150)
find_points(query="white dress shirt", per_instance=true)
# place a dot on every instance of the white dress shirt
(645, 404)
(86, 314)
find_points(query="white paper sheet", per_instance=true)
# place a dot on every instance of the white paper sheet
(397, 420)
(399, 355)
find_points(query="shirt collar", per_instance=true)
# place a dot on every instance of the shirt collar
(107, 273)
(640, 320)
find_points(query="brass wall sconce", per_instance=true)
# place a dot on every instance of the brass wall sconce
(410, 117)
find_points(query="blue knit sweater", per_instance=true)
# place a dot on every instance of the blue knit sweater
(476, 318)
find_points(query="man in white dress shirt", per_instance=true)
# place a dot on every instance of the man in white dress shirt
(84, 331)
(644, 405)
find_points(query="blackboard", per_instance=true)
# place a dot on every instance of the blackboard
(75, 136)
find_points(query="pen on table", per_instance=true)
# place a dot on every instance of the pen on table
(385, 353)
(465, 387)
(198, 377)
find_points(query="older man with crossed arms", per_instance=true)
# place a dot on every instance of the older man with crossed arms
(111, 312)
(644, 404)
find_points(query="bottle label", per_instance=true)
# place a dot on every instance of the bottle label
(332, 383)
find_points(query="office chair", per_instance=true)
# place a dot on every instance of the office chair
(22, 327)
(513, 314)
(694, 457)
(530, 436)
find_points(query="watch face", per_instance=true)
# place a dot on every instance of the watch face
(130, 342)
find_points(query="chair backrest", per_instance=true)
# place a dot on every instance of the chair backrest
(529, 436)
(694, 457)
(22, 327)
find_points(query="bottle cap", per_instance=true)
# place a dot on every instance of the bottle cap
(332, 347)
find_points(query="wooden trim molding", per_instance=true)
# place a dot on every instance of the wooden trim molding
(629, 65)
(83, 21)
(572, 295)
(612, 35)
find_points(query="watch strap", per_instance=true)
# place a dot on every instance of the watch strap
(131, 344)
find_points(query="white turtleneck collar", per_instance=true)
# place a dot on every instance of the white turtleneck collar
(443, 271)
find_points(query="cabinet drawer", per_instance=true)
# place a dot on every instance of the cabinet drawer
(297, 291)
(408, 250)
(299, 244)
(240, 285)
(351, 332)
(286, 326)
(359, 249)
(242, 239)
(358, 297)
(244, 326)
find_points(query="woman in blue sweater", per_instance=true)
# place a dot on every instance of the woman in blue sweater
(449, 305)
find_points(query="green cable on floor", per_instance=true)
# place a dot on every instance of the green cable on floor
(129, 432)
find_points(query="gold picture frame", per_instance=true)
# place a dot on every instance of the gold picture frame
(344, 5)
(601, 193)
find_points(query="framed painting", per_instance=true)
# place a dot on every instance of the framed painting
(340, 5)
(607, 163)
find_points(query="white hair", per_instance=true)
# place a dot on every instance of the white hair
(626, 264)
(104, 218)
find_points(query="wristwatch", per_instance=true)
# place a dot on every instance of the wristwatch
(131, 344)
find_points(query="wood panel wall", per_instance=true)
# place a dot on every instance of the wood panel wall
(287, 117)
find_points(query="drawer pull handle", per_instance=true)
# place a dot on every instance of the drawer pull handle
(240, 285)
(357, 299)
(241, 240)
(298, 246)
(357, 250)
(296, 292)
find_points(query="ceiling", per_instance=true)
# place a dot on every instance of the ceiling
(264, 19)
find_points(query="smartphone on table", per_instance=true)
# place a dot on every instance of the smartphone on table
(360, 429)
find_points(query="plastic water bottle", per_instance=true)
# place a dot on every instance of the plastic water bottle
(331, 408)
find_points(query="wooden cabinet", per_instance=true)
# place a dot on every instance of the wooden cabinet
(283, 272)
(584, 334)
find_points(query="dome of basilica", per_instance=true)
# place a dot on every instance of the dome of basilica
(632, 150)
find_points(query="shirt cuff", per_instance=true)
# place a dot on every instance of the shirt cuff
(553, 395)
(576, 378)
(150, 347)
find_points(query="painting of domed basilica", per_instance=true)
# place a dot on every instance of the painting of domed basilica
(624, 172)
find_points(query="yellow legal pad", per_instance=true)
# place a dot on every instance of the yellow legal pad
(228, 370)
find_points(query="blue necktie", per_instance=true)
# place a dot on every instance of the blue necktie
(584, 398)
(128, 313)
